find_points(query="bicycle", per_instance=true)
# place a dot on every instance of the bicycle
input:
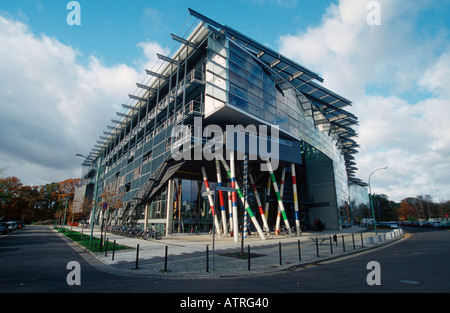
(220, 233)
(268, 234)
(152, 234)
(285, 232)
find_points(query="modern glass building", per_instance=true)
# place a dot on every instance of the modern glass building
(217, 81)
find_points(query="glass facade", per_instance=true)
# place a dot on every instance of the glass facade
(359, 201)
(191, 211)
(237, 79)
(220, 80)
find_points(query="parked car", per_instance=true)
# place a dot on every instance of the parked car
(367, 222)
(392, 224)
(20, 224)
(346, 224)
(4, 228)
(12, 226)
(435, 225)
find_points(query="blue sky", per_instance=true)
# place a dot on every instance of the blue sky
(60, 85)
(111, 29)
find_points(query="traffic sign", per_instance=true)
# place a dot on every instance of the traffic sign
(105, 205)
(208, 193)
(222, 188)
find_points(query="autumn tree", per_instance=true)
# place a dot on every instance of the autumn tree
(67, 188)
(48, 202)
(84, 207)
(384, 208)
(114, 201)
(38, 203)
(421, 207)
(9, 194)
(66, 194)
(406, 211)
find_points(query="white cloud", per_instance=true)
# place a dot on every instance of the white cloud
(53, 106)
(380, 68)
(411, 139)
(150, 59)
(437, 78)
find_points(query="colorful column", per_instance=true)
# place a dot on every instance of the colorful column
(258, 201)
(222, 203)
(211, 201)
(245, 189)
(266, 209)
(241, 196)
(283, 175)
(231, 173)
(277, 192)
(230, 211)
(294, 187)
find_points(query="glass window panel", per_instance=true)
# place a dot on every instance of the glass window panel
(238, 91)
(216, 92)
(282, 108)
(254, 69)
(252, 109)
(268, 79)
(254, 89)
(236, 79)
(216, 69)
(238, 70)
(255, 101)
(238, 102)
(269, 89)
(217, 47)
(269, 107)
(234, 57)
(269, 117)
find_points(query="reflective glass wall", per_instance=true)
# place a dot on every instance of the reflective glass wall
(236, 78)
(191, 211)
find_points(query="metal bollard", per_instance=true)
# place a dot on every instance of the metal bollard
(137, 256)
(106, 247)
(343, 243)
(207, 259)
(279, 250)
(165, 260)
(299, 251)
(317, 247)
(362, 241)
(331, 245)
(353, 240)
(114, 250)
(248, 257)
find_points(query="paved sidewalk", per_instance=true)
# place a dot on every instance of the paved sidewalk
(187, 254)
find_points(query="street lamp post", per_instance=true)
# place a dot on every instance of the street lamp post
(65, 212)
(371, 201)
(95, 197)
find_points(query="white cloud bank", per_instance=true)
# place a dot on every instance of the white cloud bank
(398, 81)
(53, 106)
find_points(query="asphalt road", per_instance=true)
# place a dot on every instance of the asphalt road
(34, 260)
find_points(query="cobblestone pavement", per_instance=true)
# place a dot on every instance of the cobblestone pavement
(202, 256)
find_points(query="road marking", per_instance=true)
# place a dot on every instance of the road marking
(409, 282)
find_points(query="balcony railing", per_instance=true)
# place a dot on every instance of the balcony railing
(190, 108)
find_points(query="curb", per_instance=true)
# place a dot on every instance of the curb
(99, 264)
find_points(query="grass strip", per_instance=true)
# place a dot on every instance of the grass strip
(85, 241)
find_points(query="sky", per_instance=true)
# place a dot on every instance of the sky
(61, 84)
